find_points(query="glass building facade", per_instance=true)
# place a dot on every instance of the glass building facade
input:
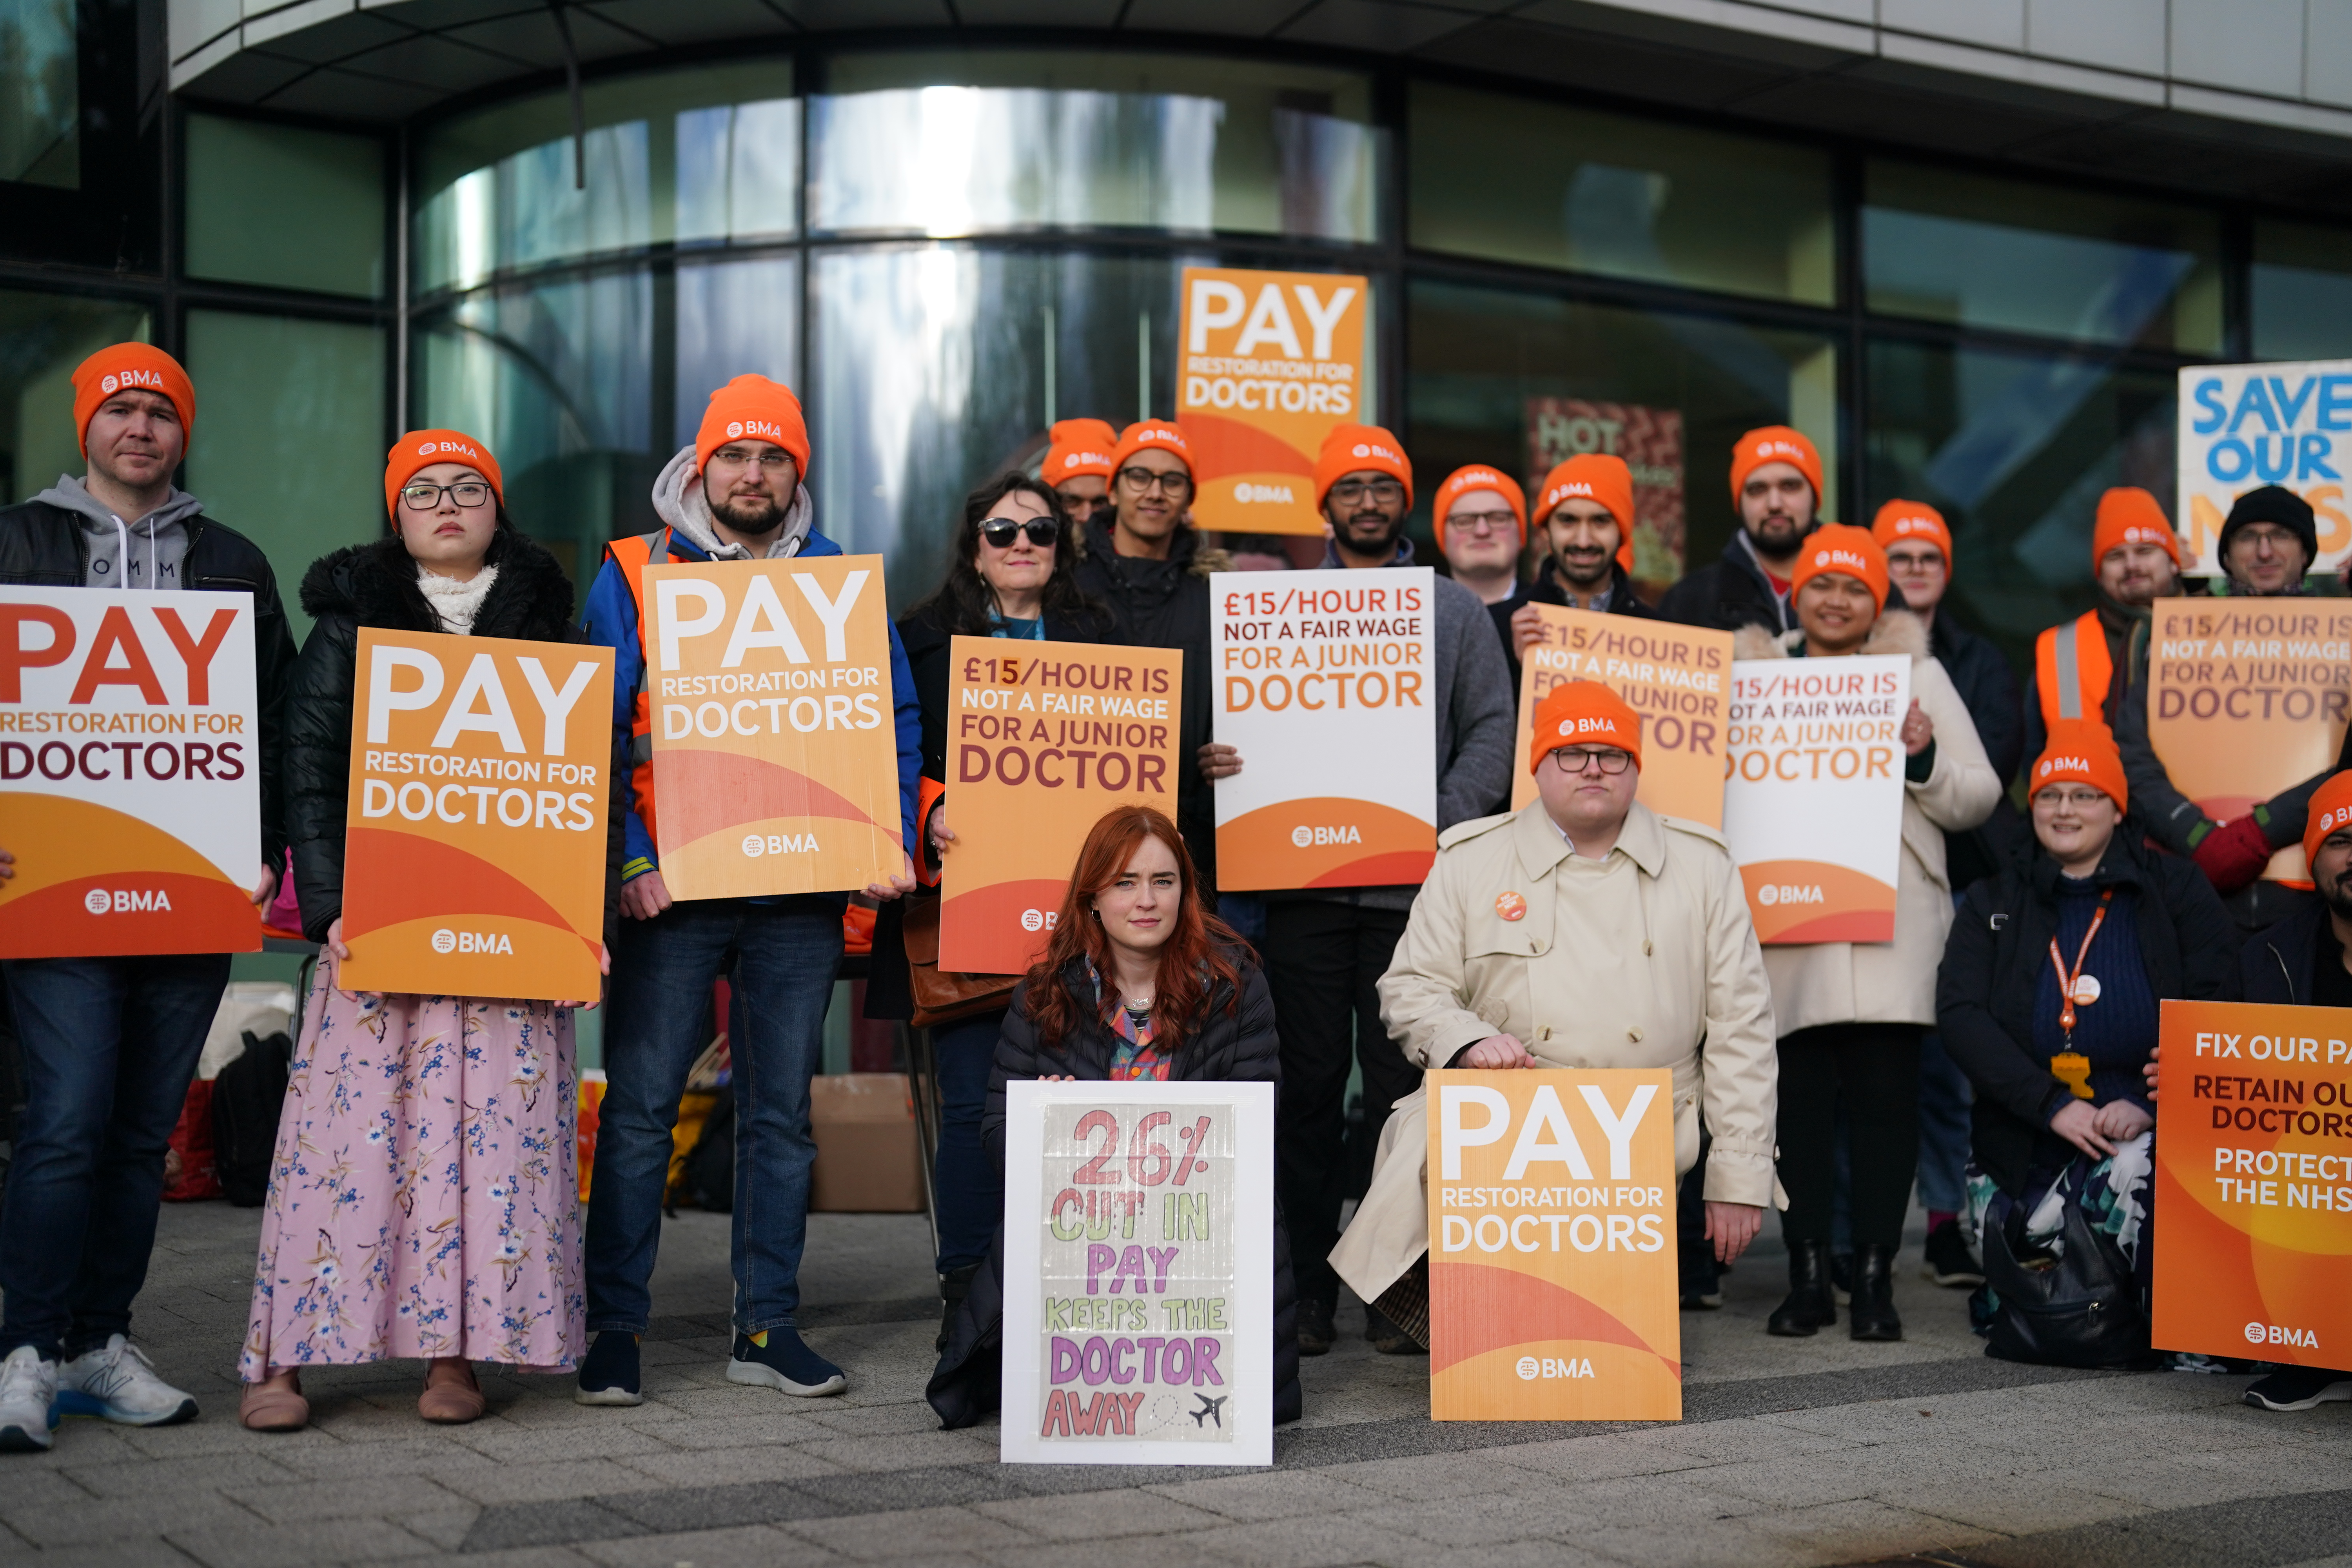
(946, 246)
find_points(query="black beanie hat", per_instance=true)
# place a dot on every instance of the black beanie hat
(2278, 504)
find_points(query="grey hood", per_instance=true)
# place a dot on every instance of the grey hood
(157, 544)
(679, 503)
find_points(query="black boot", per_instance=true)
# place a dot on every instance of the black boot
(1809, 1307)
(954, 1285)
(1873, 1317)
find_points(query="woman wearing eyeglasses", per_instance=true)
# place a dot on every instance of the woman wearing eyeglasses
(423, 1197)
(1009, 575)
(2048, 1000)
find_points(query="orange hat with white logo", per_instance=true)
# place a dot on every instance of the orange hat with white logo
(1358, 449)
(132, 366)
(1596, 477)
(1164, 434)
(422, 448)
(1901, 520)
(1774, 443)
(1583, 714)
(2331, 811)
(2129, 515)
(2083, 751)
(754, 408)
(1080, 447)
(1470, 481)
(1837, 547)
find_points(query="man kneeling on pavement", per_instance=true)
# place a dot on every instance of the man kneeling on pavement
(1584, 931)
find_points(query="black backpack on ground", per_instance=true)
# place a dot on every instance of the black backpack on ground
(246, 1099)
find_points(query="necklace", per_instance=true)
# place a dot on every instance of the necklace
(1137, 1003)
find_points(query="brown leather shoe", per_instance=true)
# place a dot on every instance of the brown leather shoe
(451, 1397)
(273, 1407)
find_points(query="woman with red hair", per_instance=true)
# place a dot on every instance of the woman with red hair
(1140, 982)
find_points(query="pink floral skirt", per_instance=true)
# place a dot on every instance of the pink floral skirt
(422, 1193)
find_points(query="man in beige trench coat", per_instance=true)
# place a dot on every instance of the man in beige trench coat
(1584, 931)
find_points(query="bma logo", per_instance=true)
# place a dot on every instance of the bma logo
(1782, 893)
(757, 844)
(1374, 448)
(447, 941)
(2330, 821)
(1248, 492)
(734, 429)
(111, 384)
(1778, 449)
(2272, 1333)
(1306, 838)
(1560, 493)
(124, 900)
(1040, 920)
(1533, 1367)
(114, 384)
(2079, 764)
(1833, 558)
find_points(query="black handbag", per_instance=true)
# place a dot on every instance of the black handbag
(2081, 1308)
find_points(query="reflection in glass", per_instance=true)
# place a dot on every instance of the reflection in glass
(968, 142)
(2014, 450)
(1609, 194)
(40, 93)
(1524, 380)
(735, 318)
(2302, 292)
(738, 169)
(42, 337)
(2097, 268)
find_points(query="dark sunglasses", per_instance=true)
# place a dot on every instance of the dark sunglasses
(1042, 531)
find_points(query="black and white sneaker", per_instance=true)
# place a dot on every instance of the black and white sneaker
(608, 1374)
(780, 1359)
(2299, 1388)
(1949, 1262)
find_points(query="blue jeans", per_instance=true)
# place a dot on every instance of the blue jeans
(1945, 1098)
(783, 955)
(109, 1046)
(970, 1188)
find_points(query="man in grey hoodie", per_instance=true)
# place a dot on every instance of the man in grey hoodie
(110, 1043)
(1326, 950)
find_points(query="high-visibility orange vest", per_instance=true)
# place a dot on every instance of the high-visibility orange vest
(2072, 670)
(633, 555)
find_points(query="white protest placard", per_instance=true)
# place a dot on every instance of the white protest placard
(1138, 1274)
(1813, 808)
(1324, 682)
(2243, 426)
(131, 763)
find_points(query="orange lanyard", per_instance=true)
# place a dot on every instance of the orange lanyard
(2066, 980)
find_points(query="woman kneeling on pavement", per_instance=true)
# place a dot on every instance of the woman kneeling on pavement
(423, 1197)
(1141, 981)
(2048, 1000)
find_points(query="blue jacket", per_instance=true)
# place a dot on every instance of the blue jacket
(611, 619)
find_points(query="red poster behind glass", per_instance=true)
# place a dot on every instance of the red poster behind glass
(1650, 442)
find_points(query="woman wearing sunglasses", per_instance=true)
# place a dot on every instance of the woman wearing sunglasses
(1009, 575)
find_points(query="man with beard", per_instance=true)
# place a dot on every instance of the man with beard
(2082, 668)
(1776, 483)
(735, 495)
(1079, 467)
(1326, 950)
(1585, 517)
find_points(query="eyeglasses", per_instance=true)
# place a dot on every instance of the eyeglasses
(1388, 492)
(1583, 759)
(1174, 484)
(1042, 531)
(423, 497)
(2080, 799)
(1472, 521)
(737, 457)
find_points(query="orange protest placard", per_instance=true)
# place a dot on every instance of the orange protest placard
(1272, 363)
(1551, 1246)
(2253, 1183)
(775, 757)
(1676, 677)
(1043, 738)
(129, 772)
(2247, 698)
(474, 844)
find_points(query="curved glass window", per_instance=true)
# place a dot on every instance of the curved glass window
(2302, 292)
(696, 157)
(969, 143)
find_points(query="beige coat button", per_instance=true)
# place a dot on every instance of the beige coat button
(1634, 1034)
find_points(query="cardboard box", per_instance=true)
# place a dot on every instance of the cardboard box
(868, 1159)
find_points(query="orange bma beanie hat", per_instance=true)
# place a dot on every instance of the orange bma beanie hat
(2129, 515)
(1774, 443)
(1583, 714)
(754, 408)
(1599, 478)
(1469, 481)
(2331, 809)
(1080, 447)
(1901, 520)
(132, 366)
(1164, 434)
(1835, 549)
(422, 448)
(1356, 449)
(2083, 752)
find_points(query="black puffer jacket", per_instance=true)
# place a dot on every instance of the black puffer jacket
(1729, 593)
(1233, 1047)
(41, 546)
(1993, 963)
(375, 586)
